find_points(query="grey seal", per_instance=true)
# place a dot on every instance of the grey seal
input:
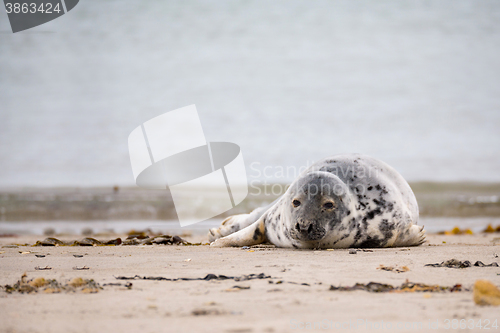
(345, 201)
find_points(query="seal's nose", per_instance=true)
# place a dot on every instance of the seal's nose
(310, 230)
(304, 228)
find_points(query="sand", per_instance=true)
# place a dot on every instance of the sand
(215, 306)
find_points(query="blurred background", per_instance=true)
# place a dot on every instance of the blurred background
(415, 84)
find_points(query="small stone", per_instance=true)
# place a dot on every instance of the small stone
(352, 251)
(50, 241)
(177, 240)
(132, 241)
(162, 240)
(38, 268)
(81, 268)
(88, 241)
(146, 241)
(116, 241)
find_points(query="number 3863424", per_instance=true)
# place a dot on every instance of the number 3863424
(32, 8)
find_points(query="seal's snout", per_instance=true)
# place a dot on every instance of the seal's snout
(309, 231)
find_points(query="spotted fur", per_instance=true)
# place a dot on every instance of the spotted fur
(340, 202)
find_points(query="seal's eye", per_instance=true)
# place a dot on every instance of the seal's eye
(328, 205)
(296, 203)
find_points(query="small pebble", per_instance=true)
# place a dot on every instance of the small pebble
(81, 268)
(245, 247)
(352, 251)
(40, 255)
(42, 268)
(77, 255)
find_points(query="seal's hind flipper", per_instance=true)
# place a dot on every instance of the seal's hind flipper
(414, 236)
(252, 235)
(236, 223)
(230, 225)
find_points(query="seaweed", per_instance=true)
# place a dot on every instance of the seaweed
(456, 231)
(454, 263)
(376, 287)
(491, 229)
(208, 277)
(87, 241)
(41, 284)
(486, 293)
(394, 269)
(136, 239)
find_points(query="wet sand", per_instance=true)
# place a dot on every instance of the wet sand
(215, 306)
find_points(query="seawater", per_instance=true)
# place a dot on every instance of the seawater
(412, 83)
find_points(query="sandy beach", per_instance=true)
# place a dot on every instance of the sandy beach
(294, 294)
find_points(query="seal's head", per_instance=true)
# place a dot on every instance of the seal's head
(318, 202)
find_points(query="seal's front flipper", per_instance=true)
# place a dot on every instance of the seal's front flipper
(252, 235)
